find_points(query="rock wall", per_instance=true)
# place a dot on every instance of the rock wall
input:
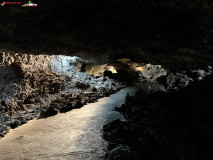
(33, 86)
(28, 61)
(164, 125)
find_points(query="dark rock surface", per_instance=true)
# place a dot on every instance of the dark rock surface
(48, 112)
(167, 125)
(174, 33)
(122, 152)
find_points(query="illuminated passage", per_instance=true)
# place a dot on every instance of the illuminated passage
(72, 135)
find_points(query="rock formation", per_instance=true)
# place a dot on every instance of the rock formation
(165, 125)
(33, 85)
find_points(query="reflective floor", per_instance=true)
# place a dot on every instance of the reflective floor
(75, 135)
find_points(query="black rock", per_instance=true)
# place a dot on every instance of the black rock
(66, 108)
(122, 152)
(77, 104)
(108, 73)
(23, 120)
(15, 124)
(49, 112)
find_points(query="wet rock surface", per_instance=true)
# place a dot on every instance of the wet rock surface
(166, 125)
(74, 135)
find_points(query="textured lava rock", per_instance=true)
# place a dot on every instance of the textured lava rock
(167, 125)
(49, 112)
(28, 87)
(122, 153)
(17, 69)
(82, 85)
(16, 124)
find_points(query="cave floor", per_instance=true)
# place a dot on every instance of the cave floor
(72, 135)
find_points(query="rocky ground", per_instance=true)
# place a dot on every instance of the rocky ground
(174, 124)
(37, 86)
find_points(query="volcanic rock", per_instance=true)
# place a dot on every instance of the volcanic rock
(49, 112)
(122, 152)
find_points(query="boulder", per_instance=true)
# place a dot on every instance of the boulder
(122, 152)
(77, 104)
(23, 120)
(4, 117)
(15, 124)
(66, 107)
(49, 112)
(17, 68)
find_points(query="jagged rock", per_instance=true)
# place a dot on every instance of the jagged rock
(23, 107)
(29, 100)
(17, 69)
(38, 85)
(92, 99)
(2, 128)
(7, 123)
(30, 110)
(77, 104)
(83, 101)
(4, 117)
(114, 124)
(122, 152)
(23, 120)
(82, 85)
(16, 124)
(94, 89)
(49, 112)
(108, 73)
(66, 108)
(114, 143)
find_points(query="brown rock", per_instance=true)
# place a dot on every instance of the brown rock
(17, 68)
